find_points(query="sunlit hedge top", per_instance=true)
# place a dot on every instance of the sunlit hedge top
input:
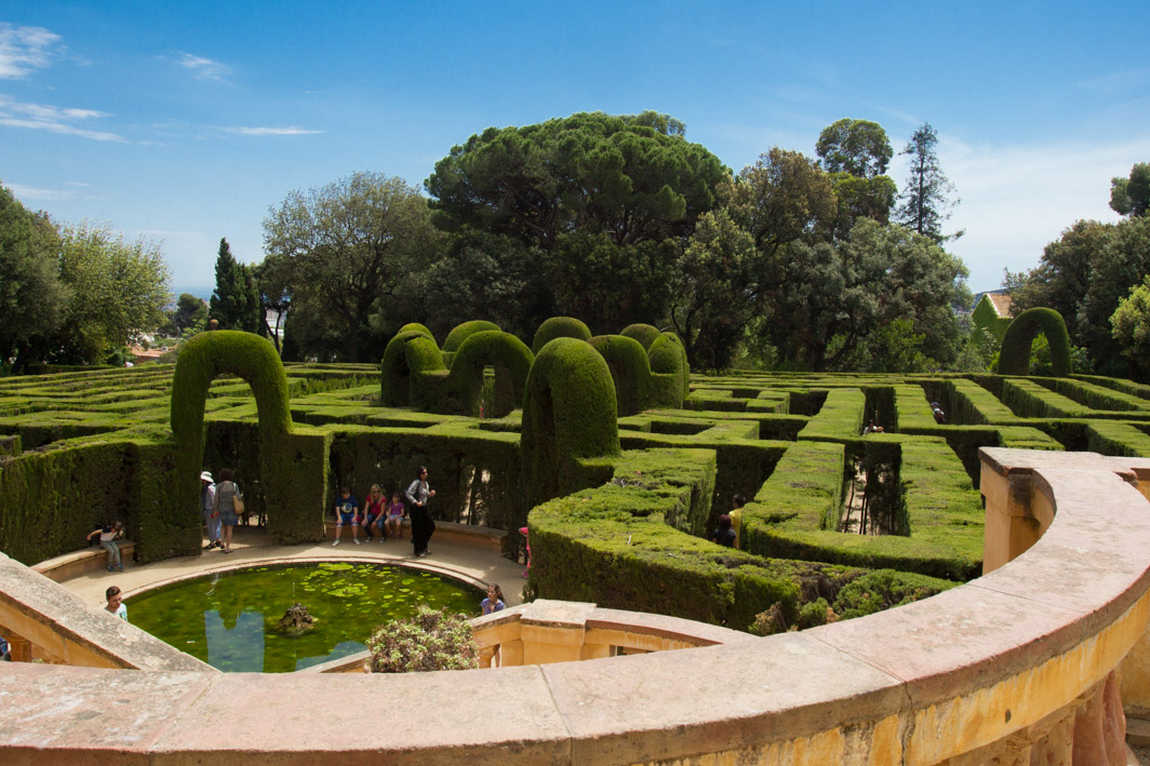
(559, 327)
(209, 354)
(415, 327)
(1014, 359)
(462, 331)
(645, 334)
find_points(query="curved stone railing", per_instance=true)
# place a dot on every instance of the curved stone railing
(1018, 665)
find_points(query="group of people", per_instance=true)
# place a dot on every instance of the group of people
(381, 519)
(219, 508)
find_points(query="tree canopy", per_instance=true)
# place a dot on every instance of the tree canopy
(858, 147)
(632, 178)
(119, 289)
(1131, 196)
(341, 253)
(1130, 326)
(32, 296)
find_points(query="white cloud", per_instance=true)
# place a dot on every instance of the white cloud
(53, 119)
(23, 49)
(36, 193)
(205, 68)
(1017, 199)
(290, 130)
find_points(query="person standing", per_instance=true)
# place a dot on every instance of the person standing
(224, 505)
(208, 506)
(422, 527)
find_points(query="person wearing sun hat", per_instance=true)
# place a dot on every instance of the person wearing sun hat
(207, 505)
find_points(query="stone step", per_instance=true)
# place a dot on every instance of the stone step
(1138, 732)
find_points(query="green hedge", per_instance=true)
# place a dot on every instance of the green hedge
(624, 531)
(840, 417)
(795, 513)
(1028, 399)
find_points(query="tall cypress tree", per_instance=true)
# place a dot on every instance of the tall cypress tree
(926, 200)
(235, 301)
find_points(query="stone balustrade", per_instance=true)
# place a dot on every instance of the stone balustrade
(1019, 666)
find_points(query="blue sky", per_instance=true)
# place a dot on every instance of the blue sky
(185, 122)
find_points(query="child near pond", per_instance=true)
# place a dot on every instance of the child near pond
(396, 510)
(108, 535)
(346, 514)
(494, 600)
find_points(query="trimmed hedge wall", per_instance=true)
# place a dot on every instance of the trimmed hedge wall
(795, 513)
(840, 417)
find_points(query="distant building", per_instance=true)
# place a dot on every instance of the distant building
(991, 312)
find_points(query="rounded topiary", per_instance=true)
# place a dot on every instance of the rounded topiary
(630, 370)
(431, 640)
(559, 327)
(394, 374)
(1014, 358)
(644, 333)
(463, 331)
(569, 413)
(415, 327)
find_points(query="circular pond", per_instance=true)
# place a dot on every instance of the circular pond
(230, 619)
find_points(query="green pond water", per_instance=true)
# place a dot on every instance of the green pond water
(229, 620)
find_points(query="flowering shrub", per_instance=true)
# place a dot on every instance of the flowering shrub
(431, 640)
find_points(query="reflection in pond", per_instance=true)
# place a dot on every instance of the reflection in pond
(231, 620)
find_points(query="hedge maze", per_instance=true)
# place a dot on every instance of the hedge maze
(617, 459)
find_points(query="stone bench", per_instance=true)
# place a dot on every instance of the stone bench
(445, 531)
(76, 563)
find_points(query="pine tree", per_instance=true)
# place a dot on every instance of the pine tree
(926, 200)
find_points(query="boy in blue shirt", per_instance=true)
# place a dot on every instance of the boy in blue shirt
(346, 514)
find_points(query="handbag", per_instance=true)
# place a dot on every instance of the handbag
(237, 502)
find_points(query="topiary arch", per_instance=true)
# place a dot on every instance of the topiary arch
(290, 495)
(1014, 359)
